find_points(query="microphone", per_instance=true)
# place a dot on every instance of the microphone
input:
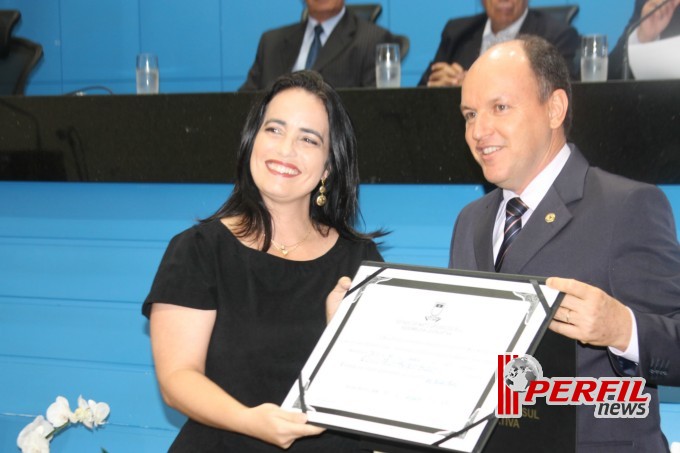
(83, 91)
(630, 30)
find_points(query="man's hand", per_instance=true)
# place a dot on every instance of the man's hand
(446, 75)
(651, 28)
(590, 315)
(335, 296)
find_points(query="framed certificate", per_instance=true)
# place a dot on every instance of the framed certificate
(412, 352)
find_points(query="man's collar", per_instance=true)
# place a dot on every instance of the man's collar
(330, 23)
(539, 186)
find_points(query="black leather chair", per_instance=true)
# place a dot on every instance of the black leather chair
(8, 19)
(565, 13)
(368, 11)
(18, 56)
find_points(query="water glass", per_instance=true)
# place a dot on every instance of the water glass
(594, 58)
(387, 66)
(147, 73)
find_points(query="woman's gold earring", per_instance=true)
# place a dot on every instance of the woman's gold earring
(321, 198)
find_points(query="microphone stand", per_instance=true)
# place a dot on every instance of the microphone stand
(629, 31)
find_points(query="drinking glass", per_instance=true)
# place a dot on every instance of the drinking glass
(147, 73)
(594, 58)
(387, 66)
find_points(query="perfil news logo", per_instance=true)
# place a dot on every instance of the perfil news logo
(520, 381)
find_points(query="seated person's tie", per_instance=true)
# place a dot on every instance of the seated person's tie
(513, 224)
(315, 47)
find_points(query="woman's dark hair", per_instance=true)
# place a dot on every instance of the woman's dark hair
(342, 207)
(551, 71)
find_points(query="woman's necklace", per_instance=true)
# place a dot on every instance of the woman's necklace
(286, 249)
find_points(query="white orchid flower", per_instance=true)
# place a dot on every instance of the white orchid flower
(84, 414)
(59, 413)
(100, 411)
(36, 436)
(33, 438)
(90, 413)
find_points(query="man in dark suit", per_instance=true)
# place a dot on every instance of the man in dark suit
(346, 57)
(577, 222)
(464, 39)
(665, 23)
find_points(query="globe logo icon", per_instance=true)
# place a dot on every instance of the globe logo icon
(520, 372)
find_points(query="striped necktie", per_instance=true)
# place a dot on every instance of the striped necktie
(315, 47)
(513, 224)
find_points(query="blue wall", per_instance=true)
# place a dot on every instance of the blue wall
(77, 260)
(209, 45)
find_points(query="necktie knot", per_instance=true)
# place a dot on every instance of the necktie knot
(515, 207)
(514, 210)
(315, 47)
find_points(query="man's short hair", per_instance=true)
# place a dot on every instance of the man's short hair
(550, 69)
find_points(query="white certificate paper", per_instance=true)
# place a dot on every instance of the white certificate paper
(412, 352)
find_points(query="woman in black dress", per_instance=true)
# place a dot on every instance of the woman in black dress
(238, 302)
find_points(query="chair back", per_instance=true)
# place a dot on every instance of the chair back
(404, 45)
(21, 57)
(366, 11)
(565, 14)
(8, 19)
(18, 56)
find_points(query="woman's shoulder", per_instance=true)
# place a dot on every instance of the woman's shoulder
(202, 236)
(366, 248)
(199, 231)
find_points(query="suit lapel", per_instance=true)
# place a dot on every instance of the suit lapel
(470, 42)
(291, 47)
(551, 216)
(483, 238)
(340, 38)
(537, 232)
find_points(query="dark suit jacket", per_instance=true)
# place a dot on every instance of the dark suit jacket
(347, 59)
(615, 65)
(462, 39)
(618, 235)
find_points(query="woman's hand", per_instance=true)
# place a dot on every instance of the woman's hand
(271, 424)
(335, 297)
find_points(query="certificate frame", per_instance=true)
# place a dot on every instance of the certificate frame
(387, 364)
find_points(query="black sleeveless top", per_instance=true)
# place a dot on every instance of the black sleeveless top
(270, 313)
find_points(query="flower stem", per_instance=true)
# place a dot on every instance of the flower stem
(56, 431)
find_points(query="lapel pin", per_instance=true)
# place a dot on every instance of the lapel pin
(550, 217)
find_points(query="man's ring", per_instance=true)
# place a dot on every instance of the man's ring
(568, 311)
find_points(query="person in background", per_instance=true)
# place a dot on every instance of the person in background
(466, 38)
(344, 52)
(665, 23)
(238, 301)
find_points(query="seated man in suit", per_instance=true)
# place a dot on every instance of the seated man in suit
(665, 23)
(464, 39)
(343, 53)
(572, 221)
